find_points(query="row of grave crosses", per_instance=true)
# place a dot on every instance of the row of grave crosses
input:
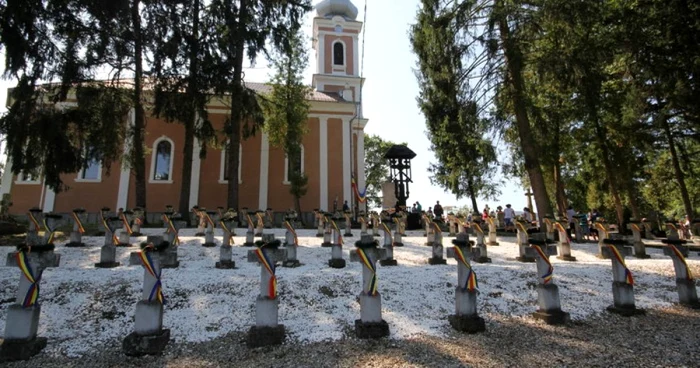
(158, 252)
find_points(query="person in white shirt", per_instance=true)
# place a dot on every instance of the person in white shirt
(508, 216)
(570, 213)
(527, 215)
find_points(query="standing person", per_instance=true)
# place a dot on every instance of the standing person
(527, 215)
(508, 216)
(430, 213)
(437, 210)
(583, 221)
(414, 209)
(485, 214)
(570, 214)
(419, 207)
(500, 216)
(346, 208)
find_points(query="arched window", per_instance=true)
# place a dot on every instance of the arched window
(338, 53)
(289, 165)
(162, 161)
(223, 173)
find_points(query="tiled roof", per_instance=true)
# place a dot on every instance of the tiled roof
(263, 88)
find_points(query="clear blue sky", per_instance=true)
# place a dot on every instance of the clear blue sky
(389, 96)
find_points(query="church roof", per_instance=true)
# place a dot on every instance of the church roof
(264, 88)
(330, 8)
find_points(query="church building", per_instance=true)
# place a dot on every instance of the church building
(332, 150)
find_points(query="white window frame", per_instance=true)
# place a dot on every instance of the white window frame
(22, 181)
(286, 166)
(154, 154)
(223, 160)
(79, 177)
(339, 68)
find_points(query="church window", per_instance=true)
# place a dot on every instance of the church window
(338, 53)
(223, 175)
(289, 165)
(162, 162)
(92, 172)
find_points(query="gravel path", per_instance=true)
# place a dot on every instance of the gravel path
(663, 338)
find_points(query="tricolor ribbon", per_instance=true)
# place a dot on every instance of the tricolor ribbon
(226, 230)
(270, 267)
(682, 259)
(105, 223)
(388, 232)
(33, 292)
(126, 224)
(562, 231)
(547, 277)
(628, 274)
(472, 283)
(367, 261)
(490, 220)
(250, 221)
(478, 229)
(171, 228)
(34, 220)
(291, 230)
(337, 231)
(50, 231)
(157, 290)
(600, 226)
(361, 196)
(436, 228)
(260, 219)
(81, 229)
(521, 227)
(635, 227)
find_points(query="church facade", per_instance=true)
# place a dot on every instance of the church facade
(332, 150)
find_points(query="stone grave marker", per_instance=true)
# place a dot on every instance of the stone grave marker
(22, 322)
(466, 318)
(79, 215)
(318, 223)
(564, 243)
(291, 243)
(108, 252)
(267, 330)
(492, 232)
(227, 223)
(209, 230)
(685, 282)
(375, 223)
(672, 231)
(347, 224)
(397, 240)
(549, 306)
(327, 231)
(452, 223)
(461, 226)
(436, 244)
(426, 224)
(173, 223)
(200, 213)
(623, 281)
(35, 220)
(523, 243)
(269, 218)
(388, 246)
(480, 254)
(138, 217)
(126, 231)
(250, 233)
(336, 260)
(549, 227)
(370, 324)
(648, 230)
(637, 243)
(259, 222)
(363, 224)
(149, 337)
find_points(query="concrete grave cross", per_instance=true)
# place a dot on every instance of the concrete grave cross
(348, 225)
(291, 244)
(375, 224)
(318, 222)
(269, 218)
(138, 217)
(564, 243)
(492, 231)
(363, 224)
(547, 291)
(397, 241)
(259, 223)
(370, 324)
(108, 251)
(523, 244)
(78, 215)
(637, 243)
(250, 232)
(388, 246)
(452, 223)
(267, 330)
(549, 225)
(336, 260)
(685, 281)
(35, 221)
(466, 318)
(603, 234)
(623, 281)
(211, 218)
(22, 323)
(481, 253)
(126, 231)
(672, 231)
(51, 222)
(436, 244)
(149, 337)
(227, 223)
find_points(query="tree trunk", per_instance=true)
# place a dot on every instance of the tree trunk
(634, 204)
(607, 165)
(236, 116)
(138, 160)
(680, 177)
(192, 88)
(513, 60)
(470, 186)
(559, 185)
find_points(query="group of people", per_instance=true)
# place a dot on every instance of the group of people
(434, 212)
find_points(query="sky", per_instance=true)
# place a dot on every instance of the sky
(389, 97)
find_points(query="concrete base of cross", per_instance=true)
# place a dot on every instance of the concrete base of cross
(371, 330)
(140, 345)
(291, 263)
(526, 259)
(567, 258)
(388, 262)
(336, 263)
(75, 244)
(626, 311)
(265, 336)
(552, 317)
(436, 261)
(469, 324)
(14, 350)
(225, 265)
